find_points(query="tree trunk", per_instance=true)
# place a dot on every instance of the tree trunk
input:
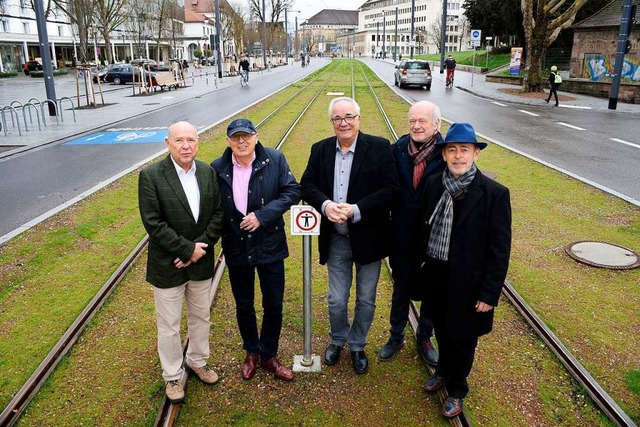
(107, 47)
(536, 49)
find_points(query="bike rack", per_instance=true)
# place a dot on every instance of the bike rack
(73, 108)
(55, 107)
(4, 120)
(20, 106)
(30, 104)
(34, 101)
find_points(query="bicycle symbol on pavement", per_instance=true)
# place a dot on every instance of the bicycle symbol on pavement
(132, 136)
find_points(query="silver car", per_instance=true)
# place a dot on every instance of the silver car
(413, 72)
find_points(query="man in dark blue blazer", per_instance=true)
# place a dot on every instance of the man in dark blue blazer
(416, 158)
(352, 181)
(465, 246)
(180, 208)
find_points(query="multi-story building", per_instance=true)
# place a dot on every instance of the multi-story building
(19, 41)
(380, 20)
(319, 33)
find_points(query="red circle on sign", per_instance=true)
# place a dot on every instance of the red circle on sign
(313, 217)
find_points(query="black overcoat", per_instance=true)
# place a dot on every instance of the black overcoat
(478, 254)
(373, 184)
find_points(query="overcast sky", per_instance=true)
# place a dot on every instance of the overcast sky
(308, 8)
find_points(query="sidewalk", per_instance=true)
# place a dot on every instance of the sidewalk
(492, 91)
(120, 104)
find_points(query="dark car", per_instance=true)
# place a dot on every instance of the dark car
(32, 66)
(146, 63)
(120, 74)
(413, 72)
(99, 73)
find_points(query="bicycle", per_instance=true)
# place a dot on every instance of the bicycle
(244, 78)
(449, 83)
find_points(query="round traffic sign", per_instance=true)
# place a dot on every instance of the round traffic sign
(306, 220)
(475, 34)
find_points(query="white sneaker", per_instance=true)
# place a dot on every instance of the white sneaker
(205, 374)
(174, 391)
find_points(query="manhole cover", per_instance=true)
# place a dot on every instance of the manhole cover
(605, 255)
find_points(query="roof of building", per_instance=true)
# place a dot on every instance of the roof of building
(334, 17)
(190, 16)
(608, 16)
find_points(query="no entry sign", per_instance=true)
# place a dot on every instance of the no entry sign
(305, 221)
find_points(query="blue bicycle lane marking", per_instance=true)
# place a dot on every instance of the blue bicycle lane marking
(120, 137)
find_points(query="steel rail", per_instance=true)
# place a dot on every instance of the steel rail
(168, 413)
(600, 397)
(21, 399)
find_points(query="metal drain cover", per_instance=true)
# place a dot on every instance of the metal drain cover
(605, 255)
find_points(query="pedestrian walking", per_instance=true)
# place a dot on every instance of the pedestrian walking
(554, 83)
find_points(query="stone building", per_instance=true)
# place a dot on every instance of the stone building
(595, 42)
(319, 34)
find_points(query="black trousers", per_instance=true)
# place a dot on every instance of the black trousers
(553, 91)
(271, 278)
(400, 301)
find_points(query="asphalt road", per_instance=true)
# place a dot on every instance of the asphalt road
(577, 141)
(47, 179)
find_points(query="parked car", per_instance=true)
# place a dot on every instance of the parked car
(35, 65)
(413, 72)
(125, 73)
(153, 65)
(99, 73)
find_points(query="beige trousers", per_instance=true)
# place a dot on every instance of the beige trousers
(168, 316)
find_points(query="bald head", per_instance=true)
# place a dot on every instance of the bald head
(182, 143)
(424, 121)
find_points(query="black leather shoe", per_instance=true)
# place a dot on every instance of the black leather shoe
(359, 361)
(390, 349)
(332, 354)
(428, 352)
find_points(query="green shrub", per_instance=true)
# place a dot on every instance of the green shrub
(8, 74)
(40, 74)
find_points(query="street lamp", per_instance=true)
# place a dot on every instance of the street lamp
(395, 40)
(412, 37)
(384, 35)
(377, 37)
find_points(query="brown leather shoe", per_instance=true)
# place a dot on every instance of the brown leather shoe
(278, 369)
(250, 366)
(451, 407)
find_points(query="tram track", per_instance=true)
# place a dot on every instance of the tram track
(578, 372)
(12, 412)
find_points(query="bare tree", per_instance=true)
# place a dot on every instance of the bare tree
(140, 25)
(110, 14)
(275, 11)
(543, 20)
(436, 34)
(80, 13)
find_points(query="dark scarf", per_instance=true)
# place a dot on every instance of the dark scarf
(420, 154)
(441, 220)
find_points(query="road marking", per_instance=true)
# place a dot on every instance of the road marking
(529, 113)
(570, 126)
(499, 103)
(622, 141)
(579, 107)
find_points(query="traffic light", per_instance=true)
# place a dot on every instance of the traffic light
(630, 23)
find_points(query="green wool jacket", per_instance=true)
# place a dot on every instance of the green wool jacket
(173, 232)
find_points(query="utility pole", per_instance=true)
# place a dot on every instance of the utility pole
(395, 38)
(624, 45)
(412, 40)
(443, 34)
(264, 35)
(218, 38)
(384, 35)
(43, 38)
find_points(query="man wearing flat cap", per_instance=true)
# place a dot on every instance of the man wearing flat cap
(256, 189)
(464, 246)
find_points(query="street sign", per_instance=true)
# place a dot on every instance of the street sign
(305, 221)
(475, 43)
(475, 35)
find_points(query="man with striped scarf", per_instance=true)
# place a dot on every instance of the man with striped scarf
(464, 246)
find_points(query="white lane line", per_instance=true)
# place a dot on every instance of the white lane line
(579, 107)
(499, 103)
(622, 141)
(570, 126)
(529, 113)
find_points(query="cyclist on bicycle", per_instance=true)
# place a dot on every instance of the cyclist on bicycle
(450, 66)
(243, 66)
(302, 59)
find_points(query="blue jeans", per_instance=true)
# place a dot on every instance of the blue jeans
(242, 280)
(340, 268)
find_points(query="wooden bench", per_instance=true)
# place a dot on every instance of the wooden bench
(166, 80)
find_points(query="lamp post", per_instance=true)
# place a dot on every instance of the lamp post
(377, 37)
(264, 35)
(395, 38)
(384, 35)
(412, 39)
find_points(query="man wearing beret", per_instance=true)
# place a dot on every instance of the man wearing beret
(256, 188)
(180, 209)
(464, 246)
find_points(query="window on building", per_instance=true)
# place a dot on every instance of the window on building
(60, 30)
(4, 25)
(25, 26)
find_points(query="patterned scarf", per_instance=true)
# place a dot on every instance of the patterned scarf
(442, 217)
(419, 155)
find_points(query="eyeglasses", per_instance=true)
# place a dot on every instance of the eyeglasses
(236, 137)
(348, 118)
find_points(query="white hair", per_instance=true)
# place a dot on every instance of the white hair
(353, 102)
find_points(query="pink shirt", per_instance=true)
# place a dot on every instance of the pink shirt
(240, 183)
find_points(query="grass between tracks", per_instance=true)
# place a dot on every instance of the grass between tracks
(112, 376)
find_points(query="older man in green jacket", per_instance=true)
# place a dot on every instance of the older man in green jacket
(180, 209)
